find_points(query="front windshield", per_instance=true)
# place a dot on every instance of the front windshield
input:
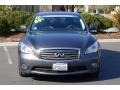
(57, 24)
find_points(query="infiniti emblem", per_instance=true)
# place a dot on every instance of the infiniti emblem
(59, 54)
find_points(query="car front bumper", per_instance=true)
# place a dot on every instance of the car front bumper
(88, 63)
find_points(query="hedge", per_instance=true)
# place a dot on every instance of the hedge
(116, 17)
(12, 20)
(101, 21)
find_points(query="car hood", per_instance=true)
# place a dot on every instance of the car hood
(60, 39)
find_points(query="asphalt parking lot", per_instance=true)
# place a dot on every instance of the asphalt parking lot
(110, 69)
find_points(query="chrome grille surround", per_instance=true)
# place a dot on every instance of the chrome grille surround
(59, 53)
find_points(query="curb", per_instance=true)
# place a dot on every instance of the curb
(109, 40)
(9, 44)
(16, 43)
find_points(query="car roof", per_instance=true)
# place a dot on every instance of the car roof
(58, 13)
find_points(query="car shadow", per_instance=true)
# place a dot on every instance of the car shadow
(110, 69)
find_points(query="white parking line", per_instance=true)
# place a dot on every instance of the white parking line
(8, 55)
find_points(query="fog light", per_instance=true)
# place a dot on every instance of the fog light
(24, 66)
(94, 65)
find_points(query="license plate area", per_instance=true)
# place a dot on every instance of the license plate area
(60, 67)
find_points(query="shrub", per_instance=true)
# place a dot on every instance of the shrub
(116, 17)
(17, 18)
(89, 18)
(12, 20)
(101, 21)
(3, 26)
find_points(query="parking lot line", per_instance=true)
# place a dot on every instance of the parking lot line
(8, 55)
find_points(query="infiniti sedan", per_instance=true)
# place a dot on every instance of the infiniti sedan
(58, 43)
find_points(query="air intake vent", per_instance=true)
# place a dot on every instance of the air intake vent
(59, 54)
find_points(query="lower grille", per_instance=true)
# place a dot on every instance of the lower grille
(70, 69)
(59, 54)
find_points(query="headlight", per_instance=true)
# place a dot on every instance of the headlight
(92, 48)
(25, 49)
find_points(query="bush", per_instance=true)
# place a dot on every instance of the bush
(12, 20)
(89, 18)
(101, 21)
(116, 18)
(104, 22)
(3, 26)
(17, 18)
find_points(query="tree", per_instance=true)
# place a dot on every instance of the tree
(101, 8)
(9, 7)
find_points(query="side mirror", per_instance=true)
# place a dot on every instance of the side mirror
(23, 28)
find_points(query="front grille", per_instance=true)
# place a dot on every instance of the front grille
(59, 54)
